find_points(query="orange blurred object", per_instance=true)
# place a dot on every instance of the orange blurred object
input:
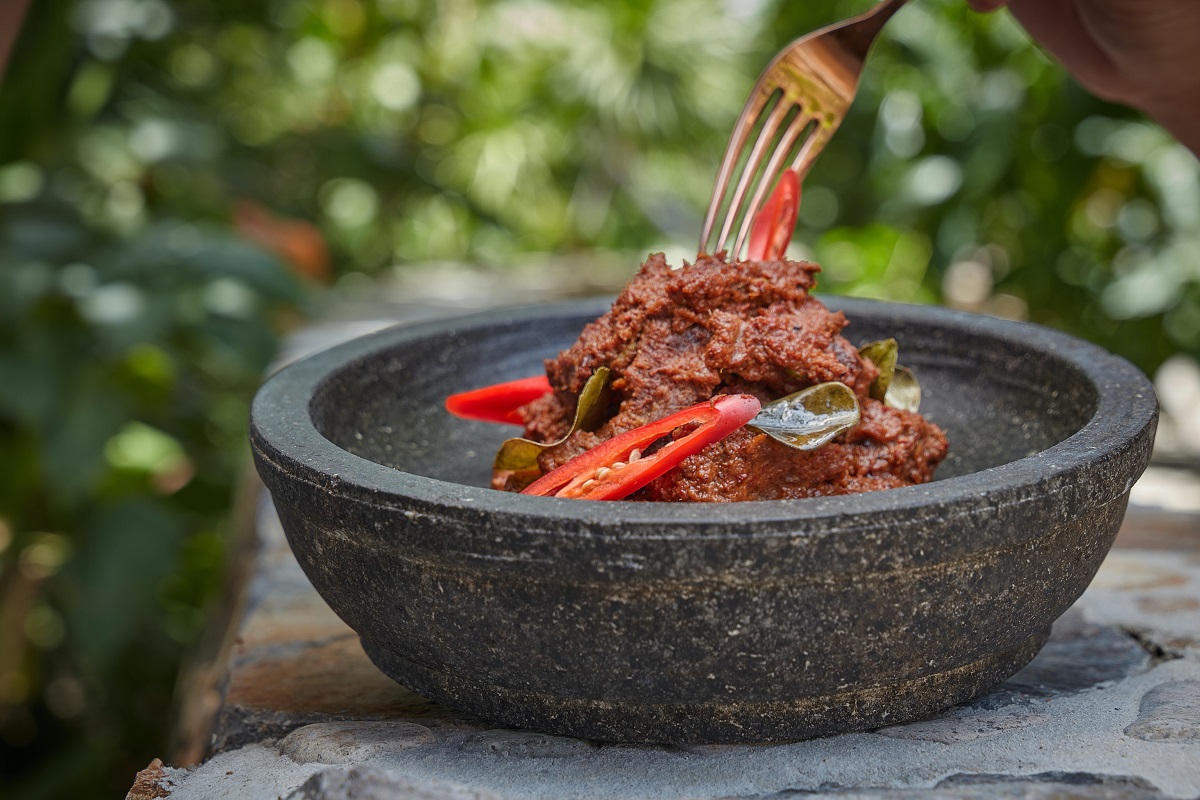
(296, 241)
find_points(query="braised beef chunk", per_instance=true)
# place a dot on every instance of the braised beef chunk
(677, 337)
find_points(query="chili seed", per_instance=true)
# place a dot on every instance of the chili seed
(602, 473)
(635, 455)
(619, 465)
(588, 484)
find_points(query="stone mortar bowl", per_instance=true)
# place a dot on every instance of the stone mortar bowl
(687, 623)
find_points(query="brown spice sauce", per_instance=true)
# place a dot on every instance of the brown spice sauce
(677, 337)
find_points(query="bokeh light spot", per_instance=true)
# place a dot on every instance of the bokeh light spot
(934, 179)
(44, 627)
(349, 201)
(312, 61)
(43, 556)
(19, 181)
(231, 298)
(78, 279)
(818, 206)
(137, 446)
(396, 86)
(65, 697)
(112, 304)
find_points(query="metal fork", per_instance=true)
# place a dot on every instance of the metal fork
(808, 88)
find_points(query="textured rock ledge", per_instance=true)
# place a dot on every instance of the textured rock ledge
(1109, 709)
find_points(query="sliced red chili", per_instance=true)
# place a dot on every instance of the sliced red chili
(616, 468)
(774, 224)
(498, 403)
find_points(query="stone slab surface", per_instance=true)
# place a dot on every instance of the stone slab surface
(1109, 709)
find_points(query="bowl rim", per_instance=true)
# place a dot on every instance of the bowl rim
(282, 432)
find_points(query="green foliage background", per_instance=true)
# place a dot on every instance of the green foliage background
(135, 323)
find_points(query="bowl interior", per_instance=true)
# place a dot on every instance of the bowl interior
(999, 393)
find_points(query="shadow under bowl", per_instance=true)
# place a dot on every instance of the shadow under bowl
(687, 623)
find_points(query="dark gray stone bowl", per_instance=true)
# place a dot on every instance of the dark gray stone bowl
(657, 622)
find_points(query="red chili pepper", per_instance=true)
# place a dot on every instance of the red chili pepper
(774, 224)
(498, 403)
(616, 468)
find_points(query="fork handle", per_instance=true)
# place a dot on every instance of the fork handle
(859, 34)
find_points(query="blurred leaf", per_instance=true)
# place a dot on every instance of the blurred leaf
(73, 448)
(970, 170)
(111, 584)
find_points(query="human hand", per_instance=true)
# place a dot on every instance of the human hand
(11, 15)
(1144, 53)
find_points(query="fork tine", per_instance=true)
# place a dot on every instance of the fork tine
(812, 148)
(765, 136)
(818, 72)
(741, 132)
(790, 136)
